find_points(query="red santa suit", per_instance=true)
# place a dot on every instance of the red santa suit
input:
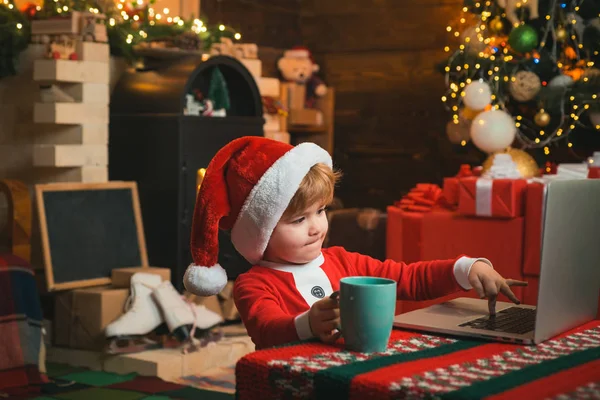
(273, 300)
(246, 189)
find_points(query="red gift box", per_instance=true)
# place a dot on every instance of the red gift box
(444, 234)
(484, 197)
(594, 173)
(450, 190)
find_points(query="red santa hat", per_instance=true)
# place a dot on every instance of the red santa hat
(246, 189)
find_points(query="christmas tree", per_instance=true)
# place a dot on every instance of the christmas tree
(524, 73)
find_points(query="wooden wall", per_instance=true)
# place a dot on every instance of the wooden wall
(380, 56)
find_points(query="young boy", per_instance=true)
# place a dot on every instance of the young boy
(272, 197)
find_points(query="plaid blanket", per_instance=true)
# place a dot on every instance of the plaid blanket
(424, 366)
(20, 324)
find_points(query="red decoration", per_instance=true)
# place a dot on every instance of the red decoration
(421, 198)
(29, 10)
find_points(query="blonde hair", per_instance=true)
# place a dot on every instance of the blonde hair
(316, 187)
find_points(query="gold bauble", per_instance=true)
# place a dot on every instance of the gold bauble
(526, 165)
(542, 118)
(561, 34)
(496, 25)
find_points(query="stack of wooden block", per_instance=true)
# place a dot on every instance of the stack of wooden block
(275, 124)
(74, 142)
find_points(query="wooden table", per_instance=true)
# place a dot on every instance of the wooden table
(427, 366)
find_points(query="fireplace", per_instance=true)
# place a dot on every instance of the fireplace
(153, 143)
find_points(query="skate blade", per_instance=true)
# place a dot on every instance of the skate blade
(131, 345)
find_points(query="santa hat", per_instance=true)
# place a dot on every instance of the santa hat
(246, 189)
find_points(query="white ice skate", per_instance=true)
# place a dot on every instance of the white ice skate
(142, 316)
(184, 319)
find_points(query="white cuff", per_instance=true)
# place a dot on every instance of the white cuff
(462, 267)
(303, 326)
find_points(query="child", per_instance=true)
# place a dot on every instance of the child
(272, 197)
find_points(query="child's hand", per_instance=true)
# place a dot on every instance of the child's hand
(324, 317)
(488, 283)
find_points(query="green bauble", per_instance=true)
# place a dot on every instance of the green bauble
(523, 38)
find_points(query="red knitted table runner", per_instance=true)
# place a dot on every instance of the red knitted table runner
(425, 366)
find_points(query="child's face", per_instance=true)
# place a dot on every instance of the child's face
(298, 239)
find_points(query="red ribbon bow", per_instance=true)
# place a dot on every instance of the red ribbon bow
(421, 198)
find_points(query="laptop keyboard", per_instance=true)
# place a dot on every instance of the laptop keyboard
(511, 320)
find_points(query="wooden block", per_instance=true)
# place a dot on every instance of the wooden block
(68, 134)
(121, 277)
(296, 96)
(66, 155)
(283, 137)
(97, 93)
(272, 123)
(91, 174)
(269, 86)
(71, 71)
(163, 363)
(70, 113)
(77, 358)
(306, 117)
(254, 66)
(93, 51)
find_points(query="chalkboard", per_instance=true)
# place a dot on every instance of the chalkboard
(87, 230)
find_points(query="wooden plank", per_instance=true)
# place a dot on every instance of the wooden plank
(71, 71)
(67, 155)
(390, 28)
(382, 71)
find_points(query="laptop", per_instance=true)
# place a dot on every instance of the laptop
(569, 281)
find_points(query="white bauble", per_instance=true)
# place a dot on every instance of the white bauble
(477, 95)
(493, 131)
(560, 81)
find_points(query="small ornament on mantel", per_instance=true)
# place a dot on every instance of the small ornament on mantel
(496, 25)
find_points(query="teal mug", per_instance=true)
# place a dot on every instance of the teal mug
(367, 309)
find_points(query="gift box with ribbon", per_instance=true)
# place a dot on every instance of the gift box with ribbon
(451, 187)
(485, 197)
(440, 233)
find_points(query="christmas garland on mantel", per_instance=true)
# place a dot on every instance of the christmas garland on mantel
(130, 25)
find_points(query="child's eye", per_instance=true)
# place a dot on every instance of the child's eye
(298, 221)
(322, 210)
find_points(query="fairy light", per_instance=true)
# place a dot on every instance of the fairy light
(135, 18)
(169, 19)
(19, 26)
(221, 28)
(112, 22)
(158, 17)
(180, 23)
(166, 11)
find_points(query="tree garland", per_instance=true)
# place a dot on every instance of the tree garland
(129, 26)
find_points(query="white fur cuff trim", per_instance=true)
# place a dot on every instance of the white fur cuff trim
(462, 268)
(302, 324)
(204, 281)
(270, 197)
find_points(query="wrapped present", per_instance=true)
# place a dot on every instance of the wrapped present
(422, 198)
(485, 197)
(444, 234)
(594, 173)
(450, 190)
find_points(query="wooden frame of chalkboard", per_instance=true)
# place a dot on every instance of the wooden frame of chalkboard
(63, 271)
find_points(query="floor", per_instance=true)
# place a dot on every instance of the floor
(71, 383)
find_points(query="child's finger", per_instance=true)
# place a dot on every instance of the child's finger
(329, 314)
(514, 282)
(492, 305)
(478, 288)
(330, 325)
(331, 338)
(508, 293)
(328, 304)
(490, 287)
